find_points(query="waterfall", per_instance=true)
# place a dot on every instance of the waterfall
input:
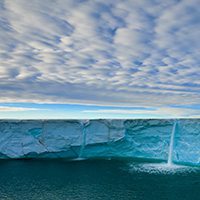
(83, 143)
(85, 123)
(170, 154)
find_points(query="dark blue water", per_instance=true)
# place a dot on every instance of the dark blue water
(94, 179)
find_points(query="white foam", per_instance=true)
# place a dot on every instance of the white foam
(160, 168)
(78, 159)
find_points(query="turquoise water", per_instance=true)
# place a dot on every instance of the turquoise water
(96, 179)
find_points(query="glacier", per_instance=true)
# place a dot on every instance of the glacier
(101, 138)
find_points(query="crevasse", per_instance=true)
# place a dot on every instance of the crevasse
(72, 139)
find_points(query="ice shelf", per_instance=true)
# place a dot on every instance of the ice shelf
(103, 138)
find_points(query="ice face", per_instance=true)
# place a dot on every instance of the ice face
(77, 139)
(187, 142)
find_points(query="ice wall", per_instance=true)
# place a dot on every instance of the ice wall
(73, 139)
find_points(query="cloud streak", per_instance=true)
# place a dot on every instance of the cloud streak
(158, 112)
(17, 109)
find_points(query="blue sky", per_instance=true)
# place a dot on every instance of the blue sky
(99, 59)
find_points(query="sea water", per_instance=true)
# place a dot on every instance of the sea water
(96, 179)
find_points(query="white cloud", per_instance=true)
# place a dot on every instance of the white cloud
(159, 112)
(16, 109)
(134, 53)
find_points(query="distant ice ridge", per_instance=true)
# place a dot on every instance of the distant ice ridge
(79, 139)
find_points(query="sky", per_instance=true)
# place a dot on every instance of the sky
(63, 59)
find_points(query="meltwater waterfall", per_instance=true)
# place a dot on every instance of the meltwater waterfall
(82, 147)
(170, 154)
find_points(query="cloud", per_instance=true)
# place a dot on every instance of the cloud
(16, 109)
(126, 53)
(170, 112)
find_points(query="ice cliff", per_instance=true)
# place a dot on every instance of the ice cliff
(73, 139)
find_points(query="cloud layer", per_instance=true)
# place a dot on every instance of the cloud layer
(16, 109)
(133, 53)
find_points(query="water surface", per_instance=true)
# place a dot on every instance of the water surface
(95, 179)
